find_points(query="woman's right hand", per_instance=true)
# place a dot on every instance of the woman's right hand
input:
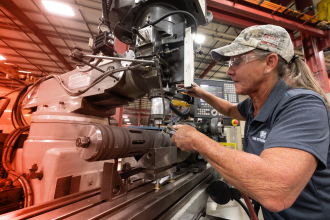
(196, 91)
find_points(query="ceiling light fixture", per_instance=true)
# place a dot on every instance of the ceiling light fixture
(58, 8)
(199, 38)
(126, 119)
(23, 71)
(129, 123)
(2, 58)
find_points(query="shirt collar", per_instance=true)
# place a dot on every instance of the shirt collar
(275, 96)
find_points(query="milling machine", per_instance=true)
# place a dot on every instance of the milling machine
(72, 150)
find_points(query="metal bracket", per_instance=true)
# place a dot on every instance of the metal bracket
(112, 184)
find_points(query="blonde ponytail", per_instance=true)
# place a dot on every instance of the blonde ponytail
(297, 74)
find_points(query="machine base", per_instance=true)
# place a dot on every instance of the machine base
(141, 201)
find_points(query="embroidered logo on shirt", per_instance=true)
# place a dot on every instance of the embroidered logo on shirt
(262, 138)
(263, 134)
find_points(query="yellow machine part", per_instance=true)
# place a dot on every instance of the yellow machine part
(324, 8)
(229, 145)
(180, 103)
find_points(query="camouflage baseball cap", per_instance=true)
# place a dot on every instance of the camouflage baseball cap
(266, 37)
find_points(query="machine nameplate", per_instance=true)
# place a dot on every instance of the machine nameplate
(79, 80)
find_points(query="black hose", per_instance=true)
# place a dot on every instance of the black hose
(256, 206)
(244, 207)
(172, 13)
(178, 112)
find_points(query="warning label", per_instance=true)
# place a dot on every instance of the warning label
(79, 80)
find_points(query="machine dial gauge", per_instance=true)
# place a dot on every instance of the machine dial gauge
(104, 28)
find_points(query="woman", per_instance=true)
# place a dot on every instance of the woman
(285, 166)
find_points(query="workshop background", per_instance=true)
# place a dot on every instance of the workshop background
(36, 39)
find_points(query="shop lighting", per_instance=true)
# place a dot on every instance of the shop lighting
(58, 8)
(129, 123)
(23, 71)
(199, 38)
(126, 119)
(7, 110)
(2, 58)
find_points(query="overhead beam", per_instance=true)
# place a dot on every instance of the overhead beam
(208, 69)
(18, 13)
(285, 3)
(248, 14)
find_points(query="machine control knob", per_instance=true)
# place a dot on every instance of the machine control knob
(82, 141)
(214, 112)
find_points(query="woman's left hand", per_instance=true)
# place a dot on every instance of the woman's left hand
(183, 137)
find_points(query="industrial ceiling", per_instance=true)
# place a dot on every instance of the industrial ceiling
(38, 42)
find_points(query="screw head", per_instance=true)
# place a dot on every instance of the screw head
(82, 142)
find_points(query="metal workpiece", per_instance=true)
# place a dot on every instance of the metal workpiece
(157, 109)
(107, 142)
(151, 174)
(156, 158)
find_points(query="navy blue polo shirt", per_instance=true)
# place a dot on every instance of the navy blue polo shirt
(294, 118)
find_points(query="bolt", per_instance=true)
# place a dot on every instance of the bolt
(33, 168)
(171, 179)
(127, 167)
(82, 142)
(157, 185)
(90, 182)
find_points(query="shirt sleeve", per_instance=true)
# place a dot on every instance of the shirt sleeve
(302, 123)
(243, 107)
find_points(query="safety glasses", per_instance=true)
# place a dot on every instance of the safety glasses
(237, 61)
